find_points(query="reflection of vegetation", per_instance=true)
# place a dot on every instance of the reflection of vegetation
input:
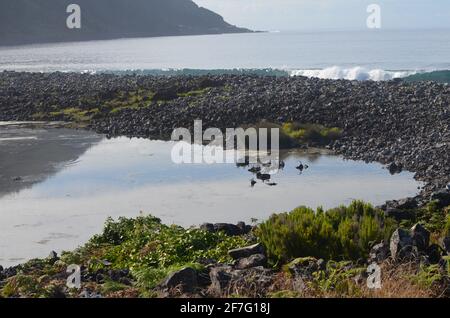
(341, 233)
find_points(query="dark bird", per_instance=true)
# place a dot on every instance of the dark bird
(263, 176)
(254, 169)
(253, 182)
(300, 167)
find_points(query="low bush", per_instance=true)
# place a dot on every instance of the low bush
(305, 133)
(344, 233)
(146, 242)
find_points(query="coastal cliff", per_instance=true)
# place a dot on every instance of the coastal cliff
(42, 21)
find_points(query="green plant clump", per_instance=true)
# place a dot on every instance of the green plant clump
(311, 132)
(344, 233)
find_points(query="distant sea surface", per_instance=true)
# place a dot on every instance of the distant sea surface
(361, 55)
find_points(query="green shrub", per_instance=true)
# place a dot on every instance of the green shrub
(338, 278)
(447, 226)
(146, 242)
(433, 217)
(22, 285)
(428, 276)
(311, 132)
(344, 233)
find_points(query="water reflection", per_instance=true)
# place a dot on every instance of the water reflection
(120, 177)
(30, 153)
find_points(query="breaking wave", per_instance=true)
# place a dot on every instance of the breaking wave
(354, 73)
(335, 72)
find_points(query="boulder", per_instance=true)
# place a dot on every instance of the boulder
(229, 229)
(420, 237)
(434, 253)
(408, 203)
(245, 229)
(401, 244)
(403, 204)
(88, 294)
(220, 277)
(246, 251)
(379, 253)
(399, 214)
(304, 267)
(395, 168)
(252, 261)
(208, 227)
(185, 278)
(442, 197)
(10, 272)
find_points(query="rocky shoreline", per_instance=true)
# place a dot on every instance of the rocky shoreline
(144, 258)
(402, 125)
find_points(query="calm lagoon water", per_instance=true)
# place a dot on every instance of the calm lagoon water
(66, 205)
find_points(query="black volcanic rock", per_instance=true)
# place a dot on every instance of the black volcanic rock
(41, 21)
(405, 123)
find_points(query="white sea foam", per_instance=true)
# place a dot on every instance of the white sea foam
(354, 73)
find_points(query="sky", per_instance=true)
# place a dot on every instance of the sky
(272, 15)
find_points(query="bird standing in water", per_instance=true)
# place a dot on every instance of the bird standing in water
(301, 166)
(263, 176)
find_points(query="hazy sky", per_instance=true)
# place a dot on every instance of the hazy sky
(330, 14)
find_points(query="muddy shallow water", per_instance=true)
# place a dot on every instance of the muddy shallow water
(57, 187)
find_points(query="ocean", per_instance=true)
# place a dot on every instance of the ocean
(354, 55)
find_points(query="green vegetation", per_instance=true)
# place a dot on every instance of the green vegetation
(196, 92)
(344, 233)
(294, 134)
(447, 224)
(148, 251)
(145, 241)
(428, 276)
(129, 100)
(433, 218)
(305, 133)
(75, 114)
(338, 278)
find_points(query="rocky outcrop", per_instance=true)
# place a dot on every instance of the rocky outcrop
(246, 251)
(230, 229)
(379, 253)
(412, 245)
(442, 197)
(401, 245)
(186, 279)
(256, 260)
